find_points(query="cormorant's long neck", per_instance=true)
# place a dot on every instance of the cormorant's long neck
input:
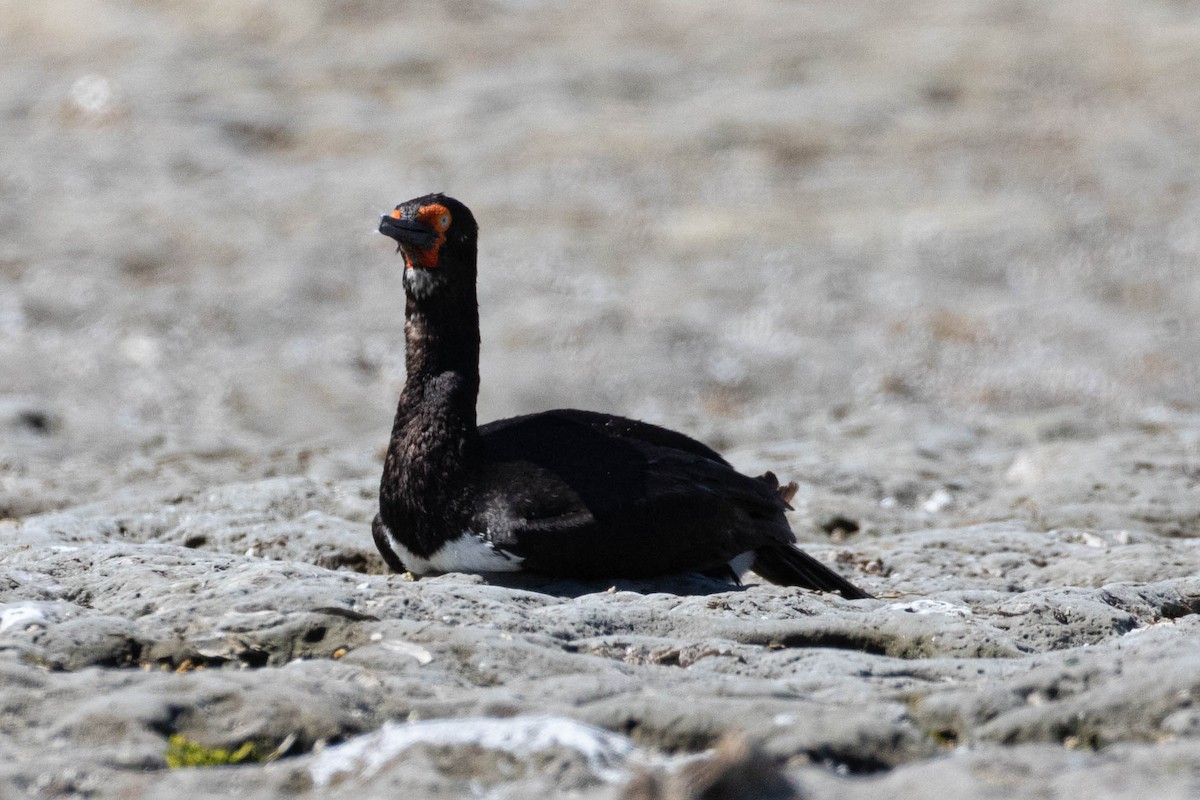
(435, 437)
(441, 337)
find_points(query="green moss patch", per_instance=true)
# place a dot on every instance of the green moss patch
(183, 752)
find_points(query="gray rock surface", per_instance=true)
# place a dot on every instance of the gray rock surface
(937, 262)
(127, 621)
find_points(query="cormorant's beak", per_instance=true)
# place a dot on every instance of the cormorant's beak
(408, 231)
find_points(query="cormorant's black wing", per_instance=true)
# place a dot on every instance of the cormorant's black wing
(565, 419)
(591, 495)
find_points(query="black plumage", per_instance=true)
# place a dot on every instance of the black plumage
(563, 493)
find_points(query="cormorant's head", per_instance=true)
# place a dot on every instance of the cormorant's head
(437, 235)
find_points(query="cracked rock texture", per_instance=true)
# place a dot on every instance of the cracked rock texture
(937, 262)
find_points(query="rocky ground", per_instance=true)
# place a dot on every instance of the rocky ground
(935, 261)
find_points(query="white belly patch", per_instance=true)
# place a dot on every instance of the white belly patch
(468, 553)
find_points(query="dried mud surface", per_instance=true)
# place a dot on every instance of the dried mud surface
(937, 262)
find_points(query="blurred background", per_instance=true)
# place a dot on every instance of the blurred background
(867, 243)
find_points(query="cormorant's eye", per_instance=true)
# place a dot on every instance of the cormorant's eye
(436, 216)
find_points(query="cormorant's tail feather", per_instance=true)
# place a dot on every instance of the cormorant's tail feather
(789, 566)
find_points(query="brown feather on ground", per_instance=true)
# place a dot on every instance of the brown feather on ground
(737, 770)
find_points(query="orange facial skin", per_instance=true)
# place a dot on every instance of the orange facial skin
(436, 216)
